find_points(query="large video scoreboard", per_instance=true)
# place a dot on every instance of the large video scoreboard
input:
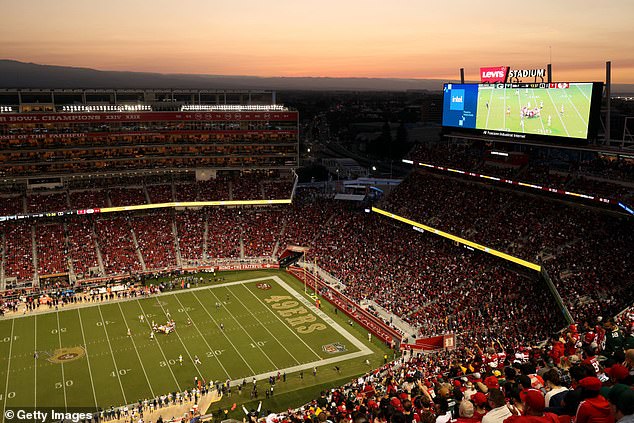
(521, 111)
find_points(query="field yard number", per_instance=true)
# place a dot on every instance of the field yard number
(257, 344)
(122, 372)
(214, 353)
(171, 362)
(185, 309)
(61, 330)
(60, 385)
(9, 396)
(8, 339)
(105, 322)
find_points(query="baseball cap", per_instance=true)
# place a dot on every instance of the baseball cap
(479, 398)
(533, 398)
(491, 382)
(618, 371)
(590, 383)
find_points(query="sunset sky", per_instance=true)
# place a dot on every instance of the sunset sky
(343, 38)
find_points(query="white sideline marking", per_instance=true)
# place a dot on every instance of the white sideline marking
(137, 351)
(116, 369)
(336, 326)
(34, 364)
(6, 386)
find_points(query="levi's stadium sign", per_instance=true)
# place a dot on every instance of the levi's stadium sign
(493, 75)
(502, 74)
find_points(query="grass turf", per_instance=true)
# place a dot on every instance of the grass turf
(261, 336)
(504, 106)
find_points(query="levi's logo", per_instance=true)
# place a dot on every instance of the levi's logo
(493, 74)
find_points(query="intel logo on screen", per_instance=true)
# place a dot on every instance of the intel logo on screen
(457, 100)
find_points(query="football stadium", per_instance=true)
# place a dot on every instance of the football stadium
(162, 261)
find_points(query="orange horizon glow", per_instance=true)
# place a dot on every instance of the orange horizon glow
(404, 39)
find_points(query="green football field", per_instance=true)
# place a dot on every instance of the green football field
(87, 360)
(558, 112)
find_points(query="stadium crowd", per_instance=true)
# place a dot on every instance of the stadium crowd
(533, 228)
(583, 374)
(423, 279)
(604, 176)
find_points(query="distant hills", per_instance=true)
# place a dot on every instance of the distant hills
(15, 74)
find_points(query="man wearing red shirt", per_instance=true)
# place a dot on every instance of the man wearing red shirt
(593, 408)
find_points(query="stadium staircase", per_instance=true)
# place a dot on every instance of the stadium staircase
(36, 280)
(138, 250)
(205, 233)
(241, 248)
(276, 247)
(146, 194)
(177, 249)
(230, 185)
(102, 269)
(69, 262)
(2, 251)
(397, 322)
(173, 185)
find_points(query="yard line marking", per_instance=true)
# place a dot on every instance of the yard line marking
(92, 382)
(201, 335)
(286, 325)
(183, 344)
(223, 333)
(519, 102)
(504, 119)
(245, 331)
(581, 91)
(488, 106)
(576, 110)
(59, 335)
(557, 112)
(541, 119)
(35, 363)
(103, 324)
(137, 351)
(6, 386)
(159, 345)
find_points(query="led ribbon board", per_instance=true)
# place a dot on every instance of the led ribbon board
(462, 241)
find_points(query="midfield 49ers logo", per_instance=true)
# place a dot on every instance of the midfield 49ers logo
(334, 348)
(64, 355)
(263, 286)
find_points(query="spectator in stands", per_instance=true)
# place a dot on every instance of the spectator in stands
(499, 411)
(594, 408)
(555, 392)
